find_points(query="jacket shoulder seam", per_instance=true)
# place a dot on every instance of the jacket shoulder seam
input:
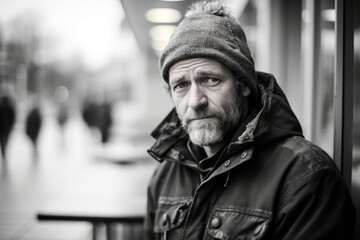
(314, 169)
(306, 178)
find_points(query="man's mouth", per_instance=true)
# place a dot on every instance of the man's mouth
(199, 118)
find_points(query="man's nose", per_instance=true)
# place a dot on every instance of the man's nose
(197, 97)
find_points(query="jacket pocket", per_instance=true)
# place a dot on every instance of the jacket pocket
(170, 216)
(231, 223)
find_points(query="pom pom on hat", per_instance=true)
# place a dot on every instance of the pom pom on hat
(210, 31)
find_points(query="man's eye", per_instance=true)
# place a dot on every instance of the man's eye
(211, 81)
(180, 86)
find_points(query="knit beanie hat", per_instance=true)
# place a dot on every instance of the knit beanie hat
(210, 31)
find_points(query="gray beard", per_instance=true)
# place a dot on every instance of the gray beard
(207, 132)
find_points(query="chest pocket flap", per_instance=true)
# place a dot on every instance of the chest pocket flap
(170, 214)
(230, 223)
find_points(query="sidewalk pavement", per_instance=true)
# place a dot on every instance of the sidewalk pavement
(28, 179)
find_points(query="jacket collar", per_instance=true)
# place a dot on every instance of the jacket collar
(167, 133)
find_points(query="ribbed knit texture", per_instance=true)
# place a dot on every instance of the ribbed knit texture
(211, 35)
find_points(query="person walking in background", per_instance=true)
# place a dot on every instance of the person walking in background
(105, 121)
(62, 119)
(33, 124)
(7, 120)
(62, 115)
(234, 162)
(88, 112)
(98, 117)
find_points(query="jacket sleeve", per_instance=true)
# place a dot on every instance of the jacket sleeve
(319, 206)
(149, 218)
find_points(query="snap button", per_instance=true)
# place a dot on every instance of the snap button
(258, 229)
(215, 223)
(179, 156)
(227, 163)
(244, 154)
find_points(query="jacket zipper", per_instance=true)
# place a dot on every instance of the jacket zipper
(202, 182)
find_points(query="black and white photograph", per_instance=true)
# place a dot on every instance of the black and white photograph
(179, 119)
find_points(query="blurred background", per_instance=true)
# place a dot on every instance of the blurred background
(80, 92)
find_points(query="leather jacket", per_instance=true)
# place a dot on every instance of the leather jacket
(268, 182)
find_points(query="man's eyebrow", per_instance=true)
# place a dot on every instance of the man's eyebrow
(176, 78)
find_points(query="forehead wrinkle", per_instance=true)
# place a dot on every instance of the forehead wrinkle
(212, 67)
(197, 67)
(208, 71)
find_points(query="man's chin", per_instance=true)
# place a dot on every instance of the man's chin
(204, 137)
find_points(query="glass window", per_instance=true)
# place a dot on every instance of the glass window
(318, 58)
(355, 185)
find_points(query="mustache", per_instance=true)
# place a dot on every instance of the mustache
(199, 114)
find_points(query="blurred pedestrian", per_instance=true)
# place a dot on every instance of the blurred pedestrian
(105, 121)
(62, 115)
(62, 118)
(33, 125)
(98, 117)
(7, 121)
(89, 115)
(89, 112)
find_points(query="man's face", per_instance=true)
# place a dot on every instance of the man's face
(207, 99)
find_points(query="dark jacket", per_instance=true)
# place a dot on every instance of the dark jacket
(267, 183)
(7, 116)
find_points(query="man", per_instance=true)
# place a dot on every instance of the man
(234, 163)
(7, 119)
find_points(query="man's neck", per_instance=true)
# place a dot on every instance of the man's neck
(213, 149)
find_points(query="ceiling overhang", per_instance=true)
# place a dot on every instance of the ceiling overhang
(135, 11)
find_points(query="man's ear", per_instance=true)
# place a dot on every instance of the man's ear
(245, 90)
(168, 89)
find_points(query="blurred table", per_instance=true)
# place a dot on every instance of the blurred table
(103, 194)
(128, 210)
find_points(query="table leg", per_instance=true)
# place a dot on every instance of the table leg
(110, 233)
(95, 230)
(130, 231)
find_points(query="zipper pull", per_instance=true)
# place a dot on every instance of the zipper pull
(166, 224)
(165, 235)
(177, 212)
